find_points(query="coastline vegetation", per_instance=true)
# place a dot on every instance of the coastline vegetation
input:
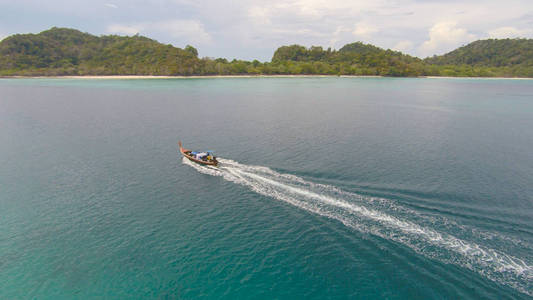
(63, 51)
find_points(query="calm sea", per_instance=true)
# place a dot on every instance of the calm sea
(329, 188)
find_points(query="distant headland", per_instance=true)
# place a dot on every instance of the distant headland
(69, 52)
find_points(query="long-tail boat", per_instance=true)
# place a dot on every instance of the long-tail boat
(204, 158)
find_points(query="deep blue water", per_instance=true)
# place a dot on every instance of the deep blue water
(329, 188)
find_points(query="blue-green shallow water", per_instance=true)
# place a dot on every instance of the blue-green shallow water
(329, 188)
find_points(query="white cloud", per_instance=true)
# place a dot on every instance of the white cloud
(443, 37)
(111, 5)
(323, 8)
(307, 10)
(181, 31)
(403, 46)
(364, 30)
(251, 29)
(336, 36)
(251, 26)
(191, 30)
(260, 15)
(509, 32)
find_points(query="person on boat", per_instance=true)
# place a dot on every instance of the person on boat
(201, 156)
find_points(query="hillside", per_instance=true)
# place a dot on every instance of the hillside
(485, 58)
(509, 55)
(352, 59)
(63, 51)
(489, 53)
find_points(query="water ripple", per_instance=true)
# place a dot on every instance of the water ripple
(383, 218)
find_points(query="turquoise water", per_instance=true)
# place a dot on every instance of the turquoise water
(329, 188)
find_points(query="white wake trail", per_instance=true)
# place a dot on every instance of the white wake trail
(361, 213)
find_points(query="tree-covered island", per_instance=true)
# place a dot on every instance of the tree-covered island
(63, 51)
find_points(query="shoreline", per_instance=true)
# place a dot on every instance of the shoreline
(451, 77)
(182, 77)
(242, 76)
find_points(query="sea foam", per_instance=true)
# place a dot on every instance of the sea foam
(380, 217)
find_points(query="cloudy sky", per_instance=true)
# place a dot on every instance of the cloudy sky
(254, 29)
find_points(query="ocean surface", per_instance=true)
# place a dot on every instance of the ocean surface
(329, 188)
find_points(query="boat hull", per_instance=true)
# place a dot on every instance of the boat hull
(184, 152)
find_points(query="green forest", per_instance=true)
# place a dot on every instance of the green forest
(63, 51)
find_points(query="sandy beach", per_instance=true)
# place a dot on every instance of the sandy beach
(180, 77)
(451, 77)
